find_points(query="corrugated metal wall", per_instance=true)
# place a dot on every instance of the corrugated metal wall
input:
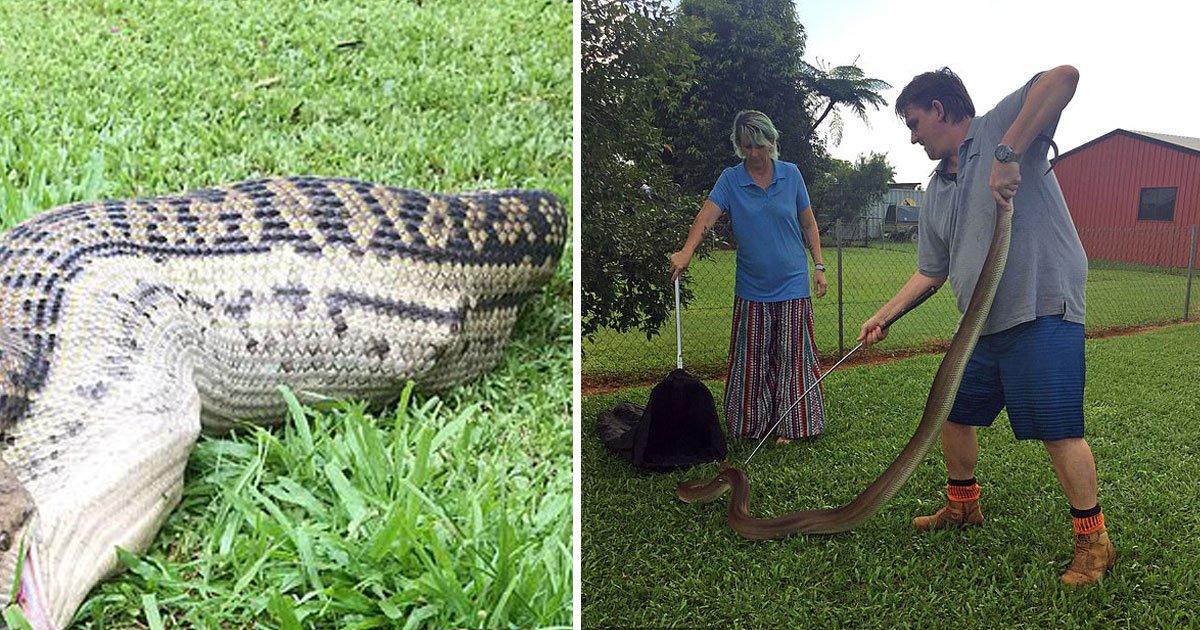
(897, 196)
(1102, 184)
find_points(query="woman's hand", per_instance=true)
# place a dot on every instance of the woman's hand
(679, 262)
(820, 284)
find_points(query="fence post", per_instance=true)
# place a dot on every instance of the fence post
(1175, 237)
(1187, 296)
(841, 343)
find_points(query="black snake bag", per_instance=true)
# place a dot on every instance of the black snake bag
(678, 428)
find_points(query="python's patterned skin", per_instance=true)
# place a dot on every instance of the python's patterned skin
(127, 326)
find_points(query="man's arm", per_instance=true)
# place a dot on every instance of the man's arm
(872, 331)
(1047, 98)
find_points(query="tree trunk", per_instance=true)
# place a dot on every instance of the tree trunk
(821, 118)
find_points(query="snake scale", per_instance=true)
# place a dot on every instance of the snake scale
(937, 409)
(128, 326)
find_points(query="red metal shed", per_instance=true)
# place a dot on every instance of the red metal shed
(1134, 196)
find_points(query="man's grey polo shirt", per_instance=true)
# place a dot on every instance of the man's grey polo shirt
(1047, 267)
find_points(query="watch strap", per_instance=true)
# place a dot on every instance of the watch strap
(1005, 153)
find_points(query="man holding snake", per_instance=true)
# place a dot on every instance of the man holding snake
(1030, 355)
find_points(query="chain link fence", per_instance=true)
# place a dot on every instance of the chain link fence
(1136, 277)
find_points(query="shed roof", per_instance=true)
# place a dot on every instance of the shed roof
(1183, 143)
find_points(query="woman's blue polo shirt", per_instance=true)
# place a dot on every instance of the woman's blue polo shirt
(771, 263)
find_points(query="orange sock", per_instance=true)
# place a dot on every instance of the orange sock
(962, 490)
(1087, 521)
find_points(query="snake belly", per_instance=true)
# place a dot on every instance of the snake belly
(937, 408)
(128, 326)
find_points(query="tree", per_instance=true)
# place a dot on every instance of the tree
(841, 86)
(748, 57)
(632, 212)
(846, 189)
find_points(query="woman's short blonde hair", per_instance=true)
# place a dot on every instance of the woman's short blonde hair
(755, 128)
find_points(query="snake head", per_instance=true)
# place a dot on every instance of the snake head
(18, 580)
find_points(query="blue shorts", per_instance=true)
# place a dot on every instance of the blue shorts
(1036, 369)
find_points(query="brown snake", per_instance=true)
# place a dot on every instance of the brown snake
(937, 409)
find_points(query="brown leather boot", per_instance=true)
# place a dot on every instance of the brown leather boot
(1094, 556)
(954, 514)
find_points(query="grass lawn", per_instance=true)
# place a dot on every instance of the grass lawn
(452, 510)
(1117, 296)
(650, 560)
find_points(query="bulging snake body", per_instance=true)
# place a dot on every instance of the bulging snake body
(937, 409)
(127, 326)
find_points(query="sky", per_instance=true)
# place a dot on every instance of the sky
(1139, 62)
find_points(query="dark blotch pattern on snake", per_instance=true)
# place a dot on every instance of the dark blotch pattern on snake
(127, 326)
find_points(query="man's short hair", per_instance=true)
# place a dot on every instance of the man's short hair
(940, 85)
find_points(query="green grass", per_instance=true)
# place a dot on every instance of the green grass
(452, 511)
(1117, 296)
(164, 96)
(651, 560)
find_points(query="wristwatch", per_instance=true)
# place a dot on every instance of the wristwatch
(819, 267)
(1005, 153)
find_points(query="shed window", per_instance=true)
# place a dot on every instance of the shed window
(1157, 204)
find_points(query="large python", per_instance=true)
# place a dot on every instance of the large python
(937, 409)
(127, 326)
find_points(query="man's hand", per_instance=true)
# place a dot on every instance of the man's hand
(872, 331)
(1006, 178)
(679, 262)
(820, 284)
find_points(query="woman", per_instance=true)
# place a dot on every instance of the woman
(772, 357)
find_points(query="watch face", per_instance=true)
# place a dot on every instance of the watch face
(1003, 152)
